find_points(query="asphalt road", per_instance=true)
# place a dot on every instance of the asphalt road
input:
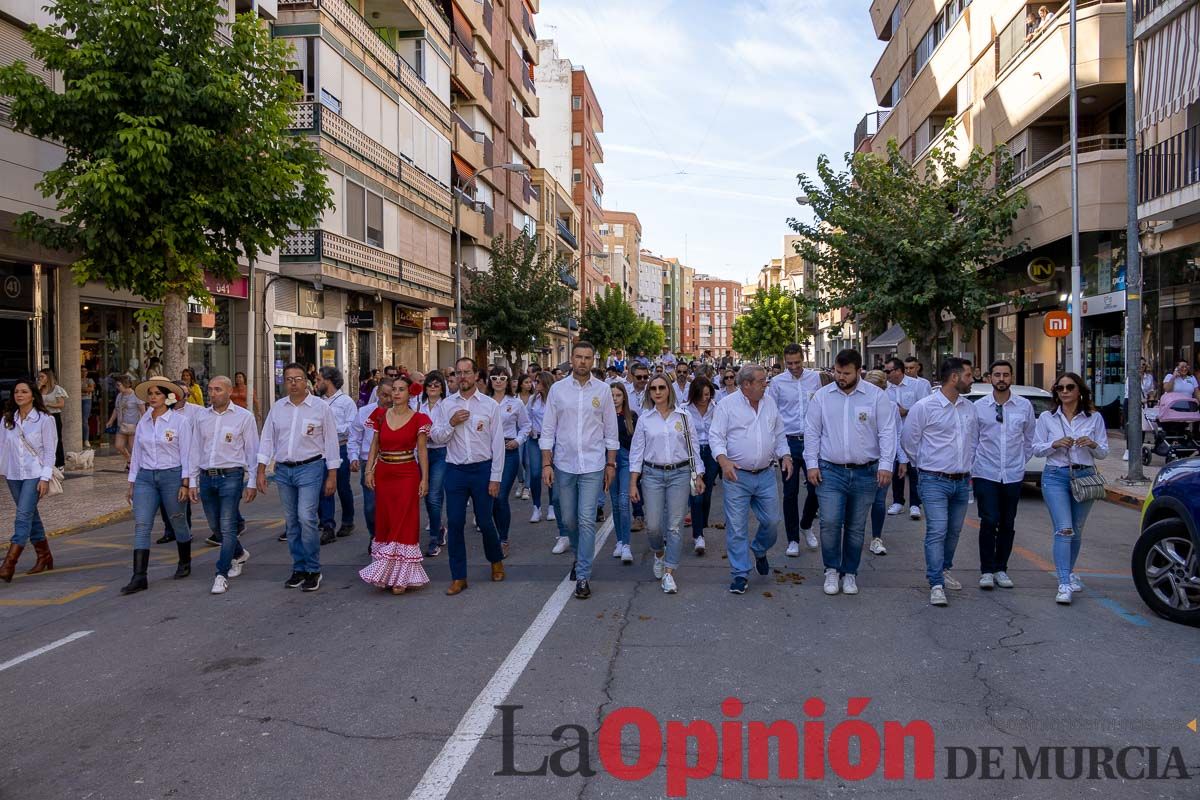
(351, 692)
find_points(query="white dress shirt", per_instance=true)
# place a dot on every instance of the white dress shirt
(163, 443)
(580, 425)
(661, 441)
(295, 433)
(636, 398)
(681, 392)
(908, 391)
(1004, 447)
(514, 417)
(1147, 385)
(362, 433)
(430, 411)
(1053, 425)
(750, 439)
(226, 439)
(855, 428)
(17, 462)
(723, 393)
(479, 438)
(701, 423)
(345, 411)
(940, 436)
(792, 395)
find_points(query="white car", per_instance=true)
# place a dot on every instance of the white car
(1041, 400)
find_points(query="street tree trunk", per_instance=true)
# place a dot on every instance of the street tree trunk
(174, 335)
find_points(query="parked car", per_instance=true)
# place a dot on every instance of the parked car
(1041, 401)
(1166, 557)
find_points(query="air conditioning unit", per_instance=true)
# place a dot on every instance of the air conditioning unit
(479, 136)
(479, 67)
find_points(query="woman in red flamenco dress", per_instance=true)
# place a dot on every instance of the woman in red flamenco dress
(396, 469)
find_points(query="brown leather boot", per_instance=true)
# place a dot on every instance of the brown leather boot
(10, 562)
(498, 571)
(45, 559)
(456, 587)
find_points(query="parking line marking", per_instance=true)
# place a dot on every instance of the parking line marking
(21, 659)
(439, 778)
(51, 601)
(1123, 613)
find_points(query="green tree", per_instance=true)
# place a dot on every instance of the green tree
(177, 152)
(608, 321)
(648, 338)
(894, 242)
(519, 297)
(768, 326)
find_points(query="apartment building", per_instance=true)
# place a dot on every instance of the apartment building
(670, 278)
(998, 72)
(558, 227)
(716, 304)
(1168, 126)
(621, 239)
(650, 291)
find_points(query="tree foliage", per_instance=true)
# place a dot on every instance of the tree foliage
(768, 326)
(177, 152)
(608, 321)
(648, 338)
(894, 242)
(519, 297)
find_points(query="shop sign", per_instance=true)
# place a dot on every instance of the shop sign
(328, 357)
(1056, 324)
(439, 323)
(16, 287)
(404, 317)
(1103, 304)
(238, 287)
(311, 303)
(1041, 269)
(360, 319)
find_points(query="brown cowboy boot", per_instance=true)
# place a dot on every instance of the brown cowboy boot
(456, 586)
(10, 562)
(45, 559)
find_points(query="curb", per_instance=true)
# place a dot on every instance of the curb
(92, 524)
(1123, 498)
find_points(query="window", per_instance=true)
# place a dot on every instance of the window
(356, 211)
(576, 176)
(937, 31)
(374, 220)
(619, 230)
(576, 102)
(619, 249)
(576, 139)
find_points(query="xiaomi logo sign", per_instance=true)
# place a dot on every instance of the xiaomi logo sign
(1057, 324)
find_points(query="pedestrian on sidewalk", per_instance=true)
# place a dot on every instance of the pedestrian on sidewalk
(226, 459)
(849, 438)
(665, 434)
(905, 390)
(470, 427)
(535, 407)
(1070, 437)
(87, 393)
(514, 420)
(191, 387)
(27, 461)
(432, 397)
(940, 436)
(579, 455)
(524, 393)
(345, 411)
(300, 437)
(54, 397)
(792, 390)
(1006, 428)
(160, 474)
(127, 412)
(747, 437)
(619, 488)
(879, 506)
(702, 407)
(358, 448)
(397, 469)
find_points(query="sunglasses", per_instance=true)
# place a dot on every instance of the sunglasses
(499, 377)
(1000, 414)
(1065, 387)
(658, 388)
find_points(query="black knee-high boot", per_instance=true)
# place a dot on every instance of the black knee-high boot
(138, 583)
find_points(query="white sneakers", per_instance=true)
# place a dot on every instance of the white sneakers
(950, 582)
(620, 548)
(235, 568)
(1076, 584)
(877, 547)
(626, 555)
(937, 596)
(831, 581)
(1064, 595)
(914, 512)
(849, 585)
(987, 581)
(550, 514)
(698, 547)
(1003, 581)
(560, 545)
(660, 566)
(810, 539)
(220, 585)
(793, 548)
(894, 509)
(525, 494)
(668, 584)
(536, 516)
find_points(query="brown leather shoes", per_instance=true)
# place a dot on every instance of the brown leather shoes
(10, 562)
(498, 571)
(45, 559)
(456, 587)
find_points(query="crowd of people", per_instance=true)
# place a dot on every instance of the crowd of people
(652, 436)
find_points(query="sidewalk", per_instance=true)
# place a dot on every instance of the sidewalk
(89, 499)
(1114, 469)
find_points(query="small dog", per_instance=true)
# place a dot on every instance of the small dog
(83, 461)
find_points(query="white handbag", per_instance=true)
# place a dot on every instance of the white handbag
(56, 475)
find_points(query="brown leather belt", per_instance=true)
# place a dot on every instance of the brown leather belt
(397, 456)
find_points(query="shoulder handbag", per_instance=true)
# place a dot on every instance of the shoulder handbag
(687, 441)
(56, 476)
(1084, 488)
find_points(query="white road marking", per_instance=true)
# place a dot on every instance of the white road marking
(439, 778)
(21, 659)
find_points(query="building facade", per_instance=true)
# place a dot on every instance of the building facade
(621, 239)
(558, 227)
(716, 304)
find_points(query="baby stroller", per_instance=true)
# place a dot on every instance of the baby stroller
(1173, 439)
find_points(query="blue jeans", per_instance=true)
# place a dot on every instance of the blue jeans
(793, 520)
(945, 504)
(997, 504)
(700, 505)
(577, 496)
(665, 493)
(368, 499)
(87, 412)
(618, 492)
(435, 499)
(300, 493)
(501, 507)
(879, 512)
(220, 498)
(750, 492)
(845, 495)
(27, 527)
(151, 489)
(345, 495)
(1067, 515)
(533, 468)
(914, 490)
(469, 482)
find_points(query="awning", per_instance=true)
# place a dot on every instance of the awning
(1170, 69)
(465, 170)
(888, 339)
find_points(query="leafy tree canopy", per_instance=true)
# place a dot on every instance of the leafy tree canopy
(609, 321)
(768, 326)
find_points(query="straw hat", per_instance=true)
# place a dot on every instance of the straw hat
(164, 385)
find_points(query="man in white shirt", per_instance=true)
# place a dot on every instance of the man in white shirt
(681, 385)
(667, 359)
(905, 390)
(940, 435)
(792, 390)
(1006, 427)
(579, 455)
(746, 438)
(915, 371)
(225, 452)
(300, 437)
(345, 410)
(362, 433)
(849, 444)
(469, 424)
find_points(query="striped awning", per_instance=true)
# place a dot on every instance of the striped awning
(1170, 69)
(462, 167)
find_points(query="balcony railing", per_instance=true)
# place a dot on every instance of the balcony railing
(1087, 144)
(321, 119)
(1144, 8)
(869, 125)
(565, 234)
(415, 84)
(1017, 36)
(1170, 165)
(308, 246)
(418, 180)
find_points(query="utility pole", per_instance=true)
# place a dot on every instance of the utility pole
(1075, 300)
(1133, 267)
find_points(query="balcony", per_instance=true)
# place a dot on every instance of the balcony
(565, 234)
(425, 185)
(465, 144)
(868, 126)
(410, 80)
(1018, 36)
(468, 81)
(320, 246)
(470, 220)
(318, 119)
(1169, 177)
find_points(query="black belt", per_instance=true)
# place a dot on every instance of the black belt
(756, 471)
(221, 472)
(853, 466)
(795, 436)
(950, 476)
(507, 440)
(668, 467)
(1082, 466)
(300, 463)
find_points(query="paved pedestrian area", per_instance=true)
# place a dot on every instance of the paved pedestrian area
(351, 692)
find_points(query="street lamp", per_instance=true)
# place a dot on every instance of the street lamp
(471, 182)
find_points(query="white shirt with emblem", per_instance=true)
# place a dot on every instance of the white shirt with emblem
(296, 433)
(162, 443)
(580, 425)
(226, 439)
(479, 438)
(661, 441)
(854, 428)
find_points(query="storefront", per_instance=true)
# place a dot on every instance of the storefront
(26, 336)
(1171, 309)
(308, 327)
(216, 332)
(408, 328)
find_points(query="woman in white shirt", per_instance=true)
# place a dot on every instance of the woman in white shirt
(55, 397)
(1070, 437)
(28, 439)
(536, 409)
(701, 406)
(434, 392)
(660, 452)
(159, 475)
(515, 420)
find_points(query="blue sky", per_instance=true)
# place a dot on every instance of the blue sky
(711, 108)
